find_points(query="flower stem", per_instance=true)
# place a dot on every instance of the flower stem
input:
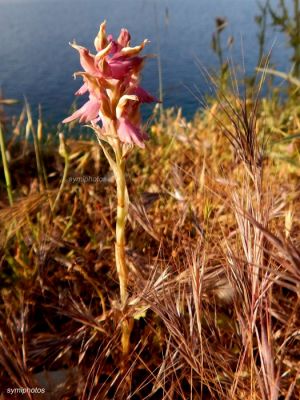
(122, 211)
(122, 269)
(118, 167)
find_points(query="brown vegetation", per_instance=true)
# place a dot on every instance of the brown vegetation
(213, 250)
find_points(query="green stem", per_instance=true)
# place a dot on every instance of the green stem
(118, 166)
(159, 64)
(297, 41)
(122, 269)
(5, 167)
(63, 181)
(122, 212)
(36, 147)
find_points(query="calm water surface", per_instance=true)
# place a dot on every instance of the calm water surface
(36, 61)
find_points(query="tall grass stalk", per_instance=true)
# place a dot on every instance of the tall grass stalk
(5, 166)
(36, 146)
(63, 152)
(37, 142)
(159, 64)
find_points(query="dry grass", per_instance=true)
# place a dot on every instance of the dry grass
(213, 249)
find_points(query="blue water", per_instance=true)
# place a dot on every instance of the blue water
(37, 62)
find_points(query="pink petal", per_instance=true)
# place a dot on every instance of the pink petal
(88, 112)
(72, 117)
(129, 133)
(82, 90)
(124, 38)
(144, 97)
(91, 111)
(115, 47)
(119, 69)
(87, 60)
(121, 66)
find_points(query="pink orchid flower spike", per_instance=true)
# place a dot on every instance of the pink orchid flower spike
(111, 79)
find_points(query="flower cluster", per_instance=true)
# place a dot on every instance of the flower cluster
(111, 78)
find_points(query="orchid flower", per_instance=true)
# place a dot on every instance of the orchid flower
(111, 80)
(110, 76)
